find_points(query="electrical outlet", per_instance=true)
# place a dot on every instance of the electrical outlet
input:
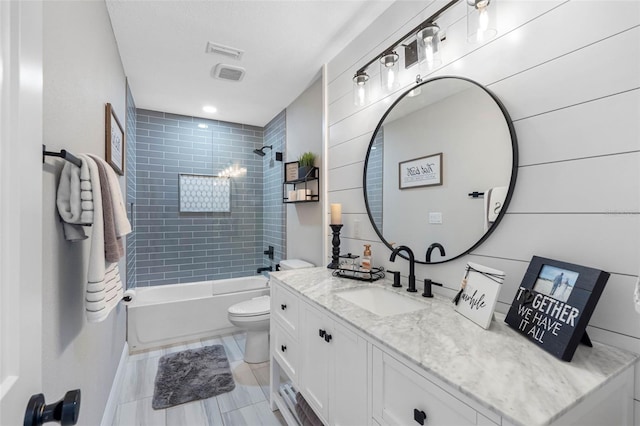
(435, 218)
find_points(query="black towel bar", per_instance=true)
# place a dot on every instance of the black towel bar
(64, 154)
(476, 194)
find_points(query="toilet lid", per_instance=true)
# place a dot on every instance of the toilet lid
(257, 306)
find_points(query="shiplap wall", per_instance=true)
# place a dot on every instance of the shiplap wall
(568, 72)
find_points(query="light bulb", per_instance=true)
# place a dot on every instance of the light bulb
(389, 68)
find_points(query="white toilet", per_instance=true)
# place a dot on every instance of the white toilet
(253, 315)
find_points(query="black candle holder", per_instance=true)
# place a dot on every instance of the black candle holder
(335, 261)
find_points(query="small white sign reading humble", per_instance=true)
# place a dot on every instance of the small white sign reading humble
(480, 293)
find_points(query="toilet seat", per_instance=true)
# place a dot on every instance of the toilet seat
(260, 306)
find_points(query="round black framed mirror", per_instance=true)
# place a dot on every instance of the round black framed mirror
(440, 169)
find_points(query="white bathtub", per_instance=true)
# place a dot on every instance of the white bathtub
(176, 313)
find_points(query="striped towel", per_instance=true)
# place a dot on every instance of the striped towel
(104, 287)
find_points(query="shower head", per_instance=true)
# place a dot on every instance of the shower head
(260, 151)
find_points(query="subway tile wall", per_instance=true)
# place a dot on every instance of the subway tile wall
(274, 219)
(174, 247)
(374, 179)
(130, 173)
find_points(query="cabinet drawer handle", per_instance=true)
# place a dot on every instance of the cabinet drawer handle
(283, 306)
(321, 332)
(419, 416)
(283, 348)
(327, 337)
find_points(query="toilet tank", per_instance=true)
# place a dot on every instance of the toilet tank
(288, 264)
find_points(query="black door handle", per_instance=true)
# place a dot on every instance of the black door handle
(419, 416)
(283, 306)
(65, 411)
(283, 348)
(327, 337)
(321, 332)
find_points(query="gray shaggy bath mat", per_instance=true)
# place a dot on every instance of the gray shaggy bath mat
(191, 375)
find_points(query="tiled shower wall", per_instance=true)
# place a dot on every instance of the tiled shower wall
(130, 173)
(174, 247)
(274, 209)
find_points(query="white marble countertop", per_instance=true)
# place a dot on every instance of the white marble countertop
(498, 367)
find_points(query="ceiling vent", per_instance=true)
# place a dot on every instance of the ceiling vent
(228, 72)
(219, 49)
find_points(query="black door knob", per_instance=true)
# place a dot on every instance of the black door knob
(283, 306)
(321, 332)
(283, 348)
(419, 416)
(65, 411)
(327, 337)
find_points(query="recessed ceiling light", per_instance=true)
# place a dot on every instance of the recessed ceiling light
(203, 126)
(209, 109)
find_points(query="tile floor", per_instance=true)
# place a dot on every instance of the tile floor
(247, 404)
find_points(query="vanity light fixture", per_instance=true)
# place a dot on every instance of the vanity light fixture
(360, 88)
(481, 20)
(389, 68)
(429, 46)
(426, 39)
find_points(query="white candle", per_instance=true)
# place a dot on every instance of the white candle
(336, 214)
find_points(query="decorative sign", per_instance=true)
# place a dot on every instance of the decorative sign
(203, 193)
(114, 141)
(479, 295)
(291, 171)
(554, 303)
(423, 171)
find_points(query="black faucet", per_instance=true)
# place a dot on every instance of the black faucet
(266, 268)
(433, 246)
(412, 265)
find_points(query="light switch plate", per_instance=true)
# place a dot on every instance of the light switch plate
(435, 218)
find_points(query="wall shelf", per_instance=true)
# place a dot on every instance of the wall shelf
(310, 182)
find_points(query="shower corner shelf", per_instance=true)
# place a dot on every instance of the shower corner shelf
(311, 181)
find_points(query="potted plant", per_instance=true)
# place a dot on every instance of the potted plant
(306, 163)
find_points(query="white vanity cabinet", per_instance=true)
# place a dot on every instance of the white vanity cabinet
(355, 376)
(325, 359)
(333, 368)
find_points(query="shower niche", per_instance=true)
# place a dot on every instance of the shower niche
(300, 189)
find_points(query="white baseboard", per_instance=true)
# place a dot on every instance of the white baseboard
(112, 403)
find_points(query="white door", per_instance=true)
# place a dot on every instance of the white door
(20, 207)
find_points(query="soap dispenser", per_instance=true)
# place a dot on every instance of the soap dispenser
(365, 264)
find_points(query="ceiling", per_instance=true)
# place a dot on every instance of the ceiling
(162, 45)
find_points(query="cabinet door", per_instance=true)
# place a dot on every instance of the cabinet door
(349, 388)
(401, 396)
(314, 358)
(284, 308)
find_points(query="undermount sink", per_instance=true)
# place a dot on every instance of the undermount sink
(380, 301)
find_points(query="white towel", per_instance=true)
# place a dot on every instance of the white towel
(104, 287)
(75, 200)
(493, 201)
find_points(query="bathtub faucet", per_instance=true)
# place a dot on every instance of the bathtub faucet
(266, 268)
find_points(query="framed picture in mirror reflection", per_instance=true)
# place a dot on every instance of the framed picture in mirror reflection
(422, 171)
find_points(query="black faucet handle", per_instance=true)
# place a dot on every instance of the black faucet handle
(427, 287)
(396, 278)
